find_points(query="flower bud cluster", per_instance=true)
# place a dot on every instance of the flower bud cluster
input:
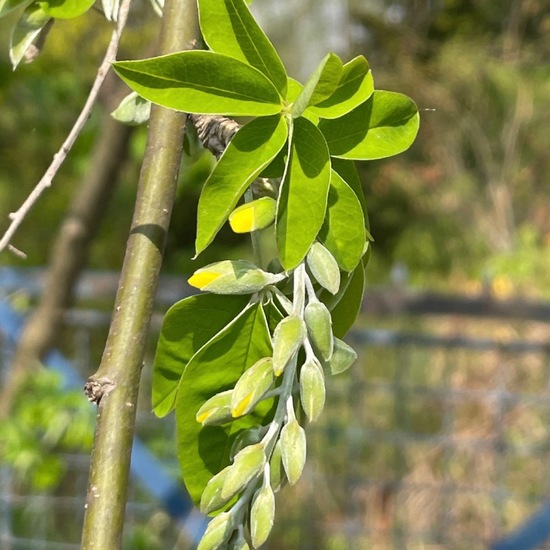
(304, 350)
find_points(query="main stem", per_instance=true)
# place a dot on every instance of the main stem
(115, 385)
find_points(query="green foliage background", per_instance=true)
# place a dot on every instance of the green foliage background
(453, 209)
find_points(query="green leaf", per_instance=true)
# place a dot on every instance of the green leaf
(346, 310)
(321, 84)
(356, 85)
(303, 199)
(252, 148)
(348, 172)
(26, 31)
(229, 28)
(7, 6)
(343, 231)
(66, 9)
(385, 125)
(294, 90)
(202, 82)
(187, 326)
(343, 358)
(204, 450)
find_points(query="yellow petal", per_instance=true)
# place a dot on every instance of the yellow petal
(202, 278)
(241, 407)
(242, 220)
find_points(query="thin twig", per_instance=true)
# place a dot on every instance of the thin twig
(58, 159)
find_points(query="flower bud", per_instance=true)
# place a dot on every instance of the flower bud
(277, 476)
(217, 410)
(262, 514)
(217, 532)
(211, 498)
(246, 438)
(293, 450)
(287, 339)
(248, 464)
(319, 328)
(251, 387)
(312, 389)
(342, 358)
(324, 267)
(232, 277)
(253, 215)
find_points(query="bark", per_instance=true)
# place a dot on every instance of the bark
(114, 387)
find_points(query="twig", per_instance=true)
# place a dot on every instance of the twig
(215, 132)
(58, 159)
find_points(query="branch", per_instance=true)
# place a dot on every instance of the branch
(114, 387)
(215, 132)
(58, 159)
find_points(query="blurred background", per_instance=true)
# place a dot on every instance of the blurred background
(438, 436)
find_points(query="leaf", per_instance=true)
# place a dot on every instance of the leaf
(7, 6)
(346, 310)
(201, 82)
(385, 125)
(321, 84)
(294, 90)
(343, 231)
(303, 197)
(66, 9)
(204, 450)
(229, 28)
(355, 87)
(27, 30)
(187, 326)
(132, 110)
(348, 172)
(252, 148)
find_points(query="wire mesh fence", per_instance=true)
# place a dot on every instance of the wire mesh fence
(438, 437)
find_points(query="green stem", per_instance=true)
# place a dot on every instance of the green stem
(115, 385)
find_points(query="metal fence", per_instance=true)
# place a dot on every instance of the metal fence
(438, 437)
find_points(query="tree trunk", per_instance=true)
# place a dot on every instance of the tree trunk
(115, 385)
